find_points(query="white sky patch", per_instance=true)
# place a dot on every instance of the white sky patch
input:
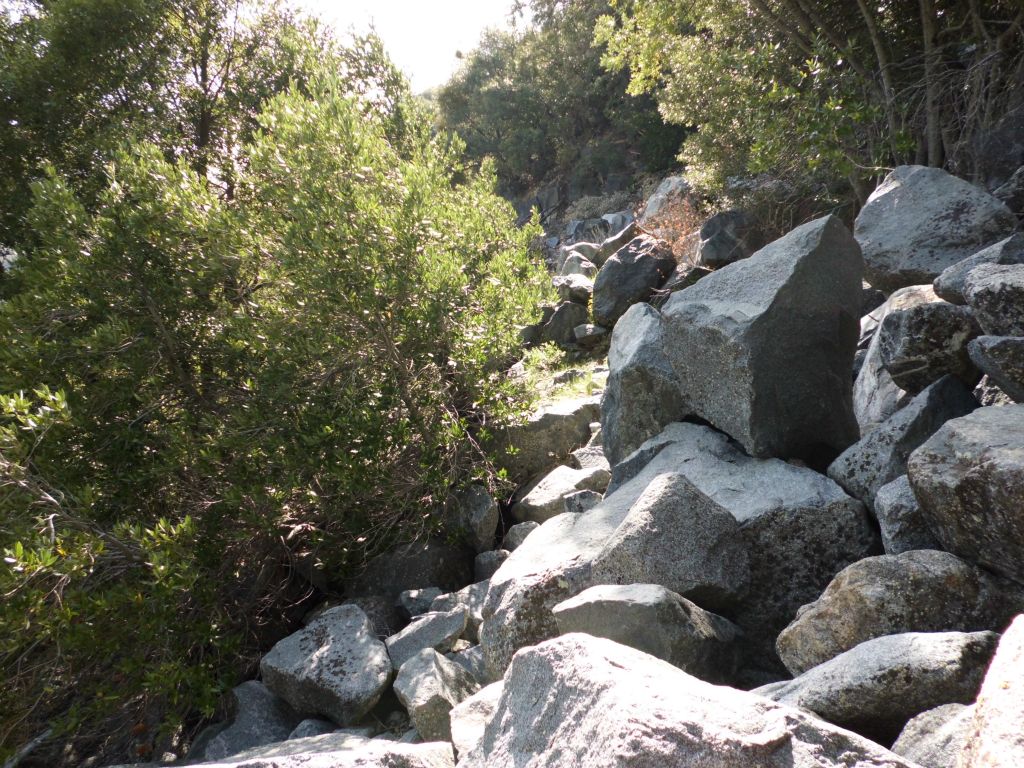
(421, 37)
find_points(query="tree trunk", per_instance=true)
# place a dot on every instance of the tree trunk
(933, 122)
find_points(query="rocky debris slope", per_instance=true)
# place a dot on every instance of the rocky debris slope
(783, 545)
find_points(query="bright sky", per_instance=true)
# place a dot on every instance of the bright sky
(421, 36)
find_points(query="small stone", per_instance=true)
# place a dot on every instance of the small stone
(436, 631)
(487, 563)
(900, 518)
(517, 534)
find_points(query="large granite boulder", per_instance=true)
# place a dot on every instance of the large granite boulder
(630, 276)
(642, 394)
(585, 701)
(333, 667)
(799, 529)
(727, 237)
(657, 621)
(995, 738)
(881, 456)
(996, 294)
(258, 717)
(546, 439)
(876, 687)
(924, 342)
(935, 739)
(763, 348)
(969, 479)
(544, 498)
(876, 396)
(918, 591)
(1001, 358)
(951, 283)
(921, 220)
(900, 519)
(429, 685)
(470, 717)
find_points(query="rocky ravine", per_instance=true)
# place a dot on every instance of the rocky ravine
(757, 558)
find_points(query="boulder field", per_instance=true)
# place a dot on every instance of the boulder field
(789, 533)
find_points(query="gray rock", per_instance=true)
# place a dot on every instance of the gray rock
(429, 685)
(995, 738)
(935, 739)
(996, 294)
(560, 329)
(472, 660)
(258, 717)
(918, 591)
(433, 562)
(799, 528)
(763, 348)
(1002, 360)
(657, 621)
(590, 231)
(670, 189)
(920, 221)
(488, 562)
(517, 534)
(922, 343)
(630, 276)
(469, 719)
(1011, 192)
(870, 299)
(988, 393)
(582, 501)
(969, 480)
(585, 701)
(876, 687)
(642, 394)
(578, 264)
(881, 456)
(950, 284)
(590, 336)
(900, 518)
(574, 288)
(472, 599)
(682, 277)
(876, 396)
(415, 602)
(590, 457)
(434, 630)
(727, 237)
(476, 515)
(546, 439)
(379, 609)
(678, 537)
(334, 667)
(544, 498)
(312, 727)
(614, 242)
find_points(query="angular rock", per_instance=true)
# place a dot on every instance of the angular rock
(763, 348)
(312, 727)
(995, 738)
(799, 528)
(547, 438)
(642, 394)
(574, 288)
(582, 501)
(585, 701)
(921, 220)
(870, 299)
(671, 188)
(379, 609)
(922, 343)
(988, 393)
(590, 457)
(590, 336)
(517, 534)
(630, 276)
(727, 237)
(415, 602)
(436, 631)
(1011, 192)
(476, 516)
(657, 621)
(876, 687)
(433, 562)
(472, 660)
(560, 329)
(334, 667)
(900, 519)
(918, 591)
(969, 480)
(950, 284)
(258, 717)
(876, 396)
(472, 599)
(996, 294)
(614, 242)
(469, 719)
(543, 499)
(429, 685)
(881, 456)
(488, 562)
(1001, 358)
(935, 739)
(678, 537)
(578, 264)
